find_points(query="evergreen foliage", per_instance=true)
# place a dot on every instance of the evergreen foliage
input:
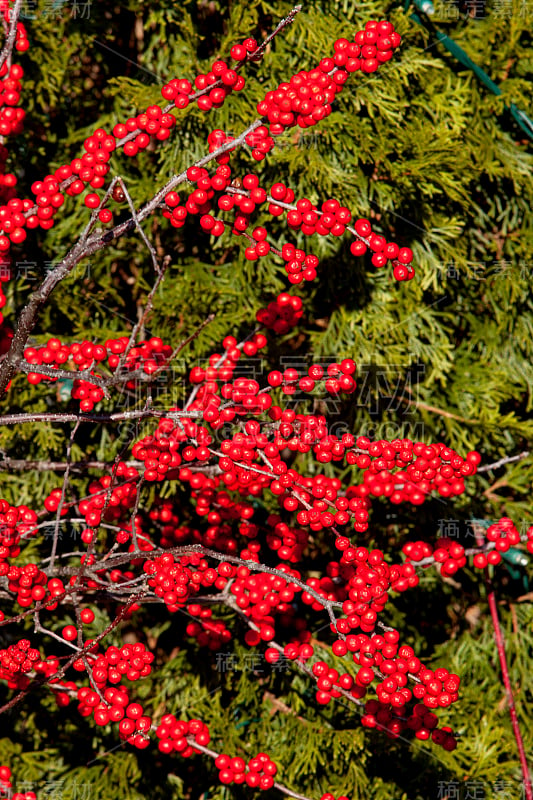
(426, 152)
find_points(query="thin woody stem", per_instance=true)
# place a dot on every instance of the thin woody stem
(63, 492)
(148, 307)
(182, 345)
(503, 461)
(13, 464)
(289, 19)
(7, 49)
(119, 416)
(500, 646)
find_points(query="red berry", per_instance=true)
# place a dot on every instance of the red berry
(69, 633)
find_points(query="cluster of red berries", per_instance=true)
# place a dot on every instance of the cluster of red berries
(329, 796)
(288, 542)
(381, 655)
(55, 354)
(337, 378)
(332, 219)
(113, 502)
(90, 169)
(298, 649)
(153, 123)
(308, 96)
(5, 777)
(72, 179)
(304, 101)
(212, 87)
(160, 452)
(208, 399)
(374, 654)
(218, 507)
(417, 551)
(11, 119)
(52, 501)
(435, 688)
(227, 81)
(260, 596)
(148, 356)
(134, 725)
(261, 142)
(213, 502)
(421, 721)
(281, 315)
(368, 586)
(112, 710)
(28, 582)
(221, 366)
(87, 393)
(163, 515)
(133, 135)
(422, 469)
(330, 683)
(21, 41)
(298, 265)
(31, 585)
(16, 660)
(503, 535)
(50, 193)
(177, 91)
(130, 661)
(199, 202)
(6, 787)
(174, 581)
(246, 202)
(424, 475)
(207, 631)
(382, 252)
(449, 554)
(244, 396)
(258, 773)
(180, 735)
(244, 195)
(215, 140)
(15, 522)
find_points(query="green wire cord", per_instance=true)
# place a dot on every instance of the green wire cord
(426, 7)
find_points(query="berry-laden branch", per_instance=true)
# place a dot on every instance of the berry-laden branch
(246, 533)
(305, 101)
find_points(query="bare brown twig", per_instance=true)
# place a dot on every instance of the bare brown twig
(7, 49)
